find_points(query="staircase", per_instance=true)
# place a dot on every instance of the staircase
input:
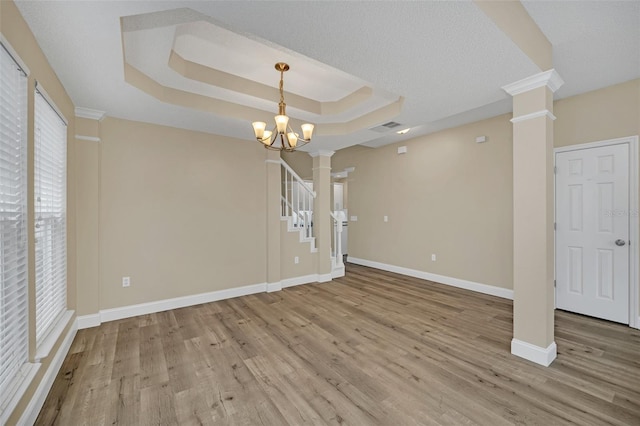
(296, 208)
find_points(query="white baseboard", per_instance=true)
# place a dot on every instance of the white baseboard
(305, 279)
(338, 272)
(105, 315)
(533, 353)
(505, 293)
(113, 314)
(88, 321)
(178, 302)
(37, 401)
(324, 278)
(271, 287)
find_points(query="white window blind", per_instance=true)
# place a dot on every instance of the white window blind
(13, 224)
(50, 183)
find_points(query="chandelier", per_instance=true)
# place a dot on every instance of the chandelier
(282, 137)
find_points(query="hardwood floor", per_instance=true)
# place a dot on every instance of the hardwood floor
(370, 348)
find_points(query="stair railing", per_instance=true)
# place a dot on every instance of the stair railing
(336, 246)
(297, 200)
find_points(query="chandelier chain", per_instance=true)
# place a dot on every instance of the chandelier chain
(282, 86)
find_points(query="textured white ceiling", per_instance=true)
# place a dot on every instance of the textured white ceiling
(149, 39)
(447, 59)
(595, 43)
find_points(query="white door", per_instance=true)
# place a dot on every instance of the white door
(592, 232)
(338, 196)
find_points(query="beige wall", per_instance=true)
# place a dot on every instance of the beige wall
(301, 162)
(181, 213)
(447, 196)
(88, 226)
(291, 247)
(608, 113)
(15, 30)
(453, 197)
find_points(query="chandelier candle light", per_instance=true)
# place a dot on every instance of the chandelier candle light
(289, 140)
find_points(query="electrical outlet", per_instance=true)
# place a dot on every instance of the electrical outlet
(296, 260)
(386, 218)
(433, 257)
(353, 219)
(126, 281)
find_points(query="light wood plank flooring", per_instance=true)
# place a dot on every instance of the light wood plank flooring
(370, 348)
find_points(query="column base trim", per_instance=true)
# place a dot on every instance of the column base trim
(533, 353)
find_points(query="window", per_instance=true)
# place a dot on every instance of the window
(50, 182)
(13, 225)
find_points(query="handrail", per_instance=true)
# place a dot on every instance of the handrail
(298, 178)
(337, 242)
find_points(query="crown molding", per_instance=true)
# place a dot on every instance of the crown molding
(322, 153)
(91, 114)
(549, 78)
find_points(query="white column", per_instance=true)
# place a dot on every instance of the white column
(322, 224)
(273, 188)
(533, 217)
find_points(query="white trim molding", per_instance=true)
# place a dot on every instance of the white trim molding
(49, 342)
(322, 153)
(324, 278)
(91, 114)
(37, 401)
(88, 138)
(549, 78)
(106, 315)
(88, 321)
(533, 353)
(634, 219)
(531, 116)
(504, 293)
(271, 287)
(304, 279)
(178, 302)
(16, 391)
(338, 271)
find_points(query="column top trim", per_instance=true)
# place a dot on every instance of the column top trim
(537, 114)
(549, 78)
(322, 153)
(91, 114)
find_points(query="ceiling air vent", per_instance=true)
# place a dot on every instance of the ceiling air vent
(383, 128)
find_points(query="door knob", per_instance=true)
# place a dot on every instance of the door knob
(620, 242)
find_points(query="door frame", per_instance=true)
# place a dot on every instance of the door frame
(634, 217)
